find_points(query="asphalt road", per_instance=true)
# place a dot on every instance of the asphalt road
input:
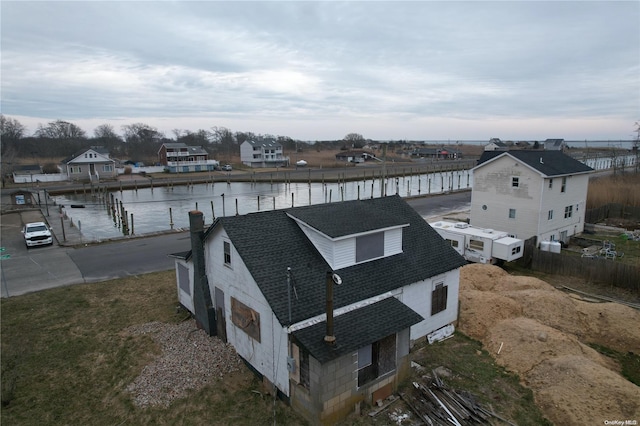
(25, 270)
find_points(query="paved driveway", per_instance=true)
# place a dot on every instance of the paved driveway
(25, 270)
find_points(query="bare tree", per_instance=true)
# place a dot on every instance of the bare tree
(356, 140)
(105, 131)
(10, 128)
(60, 129)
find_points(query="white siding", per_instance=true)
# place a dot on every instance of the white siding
(393, 242)
(418, 297)
(492, 187)
(344, 253)
(269, 355)
(553, 199)
(185, 299)
(246, 152)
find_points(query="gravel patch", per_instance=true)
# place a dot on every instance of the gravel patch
(190, 360)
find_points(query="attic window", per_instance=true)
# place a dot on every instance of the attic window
(369, 246)
(515, 181)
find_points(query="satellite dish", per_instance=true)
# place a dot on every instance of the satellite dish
(336, 279)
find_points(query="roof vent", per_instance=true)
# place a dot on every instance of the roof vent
(489, 231)
(461, 225)
(541, 162)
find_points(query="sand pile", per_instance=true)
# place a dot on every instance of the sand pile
(540, 333)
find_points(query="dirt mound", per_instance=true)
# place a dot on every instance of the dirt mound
(574, 390)
(541, 333)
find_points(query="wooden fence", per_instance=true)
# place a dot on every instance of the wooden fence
(595, 269)
(601, 213)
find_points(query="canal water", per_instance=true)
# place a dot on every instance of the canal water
(164, 208)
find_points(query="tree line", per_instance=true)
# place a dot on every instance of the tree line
(136, 142)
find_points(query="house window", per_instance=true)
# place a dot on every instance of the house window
(245, 318)
(227, 253)
(564, 184)
(512, 213)
(369, 246)
(515, 181)
(550, 215)
(551, 183)
(476, 245)
(568, 212)
(183, 279)
(439, 298)
(376, 359)
(107, 168)
(454, 243)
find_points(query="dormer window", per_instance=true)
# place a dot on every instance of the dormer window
(370, 246)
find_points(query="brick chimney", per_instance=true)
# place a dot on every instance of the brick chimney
(202, 304)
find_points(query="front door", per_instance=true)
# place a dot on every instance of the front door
(221, 326)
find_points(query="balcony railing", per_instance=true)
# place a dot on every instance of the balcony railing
(193, 163)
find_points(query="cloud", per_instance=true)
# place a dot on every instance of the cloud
(385, 68)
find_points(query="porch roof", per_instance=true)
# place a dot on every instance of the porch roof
(358, 328)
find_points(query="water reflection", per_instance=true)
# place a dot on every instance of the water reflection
(149, 210)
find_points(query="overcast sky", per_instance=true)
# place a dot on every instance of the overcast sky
(417, 70)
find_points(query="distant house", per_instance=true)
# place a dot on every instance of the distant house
(496, 144)
(91, 164)
(25, 172)
(182, 158)
(530, 193)
(263, 153)
(355, 156)
(437, 153)
(555, 145)
(322, 301)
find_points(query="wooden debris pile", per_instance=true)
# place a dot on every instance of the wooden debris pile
(436, 404)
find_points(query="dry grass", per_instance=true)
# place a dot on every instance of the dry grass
(623, 190)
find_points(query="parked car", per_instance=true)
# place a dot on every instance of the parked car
(227, 168)
(37, 234)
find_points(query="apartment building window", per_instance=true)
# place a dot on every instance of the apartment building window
(515, 181)
(568, 212)
(512, 213)
(550, 215)
(439, 298)
(564, 185)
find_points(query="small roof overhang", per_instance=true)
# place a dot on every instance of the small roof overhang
(358, 328)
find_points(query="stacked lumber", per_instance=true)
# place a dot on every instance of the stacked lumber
(436, 404)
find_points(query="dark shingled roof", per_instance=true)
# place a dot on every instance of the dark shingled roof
(358, 328)
(548, 163)
(271, 241)
(360, 217)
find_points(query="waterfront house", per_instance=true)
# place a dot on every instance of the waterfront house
(183, 158)
(92, 164)
(322, 301)
(530, 193)
(262, 153)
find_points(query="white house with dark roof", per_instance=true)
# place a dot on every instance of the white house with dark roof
(90, 164)
(530, 193)
(262, 153)
(322, 301)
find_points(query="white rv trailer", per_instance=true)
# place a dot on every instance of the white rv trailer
(480, 245)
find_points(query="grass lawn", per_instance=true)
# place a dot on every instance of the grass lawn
(66, 359)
